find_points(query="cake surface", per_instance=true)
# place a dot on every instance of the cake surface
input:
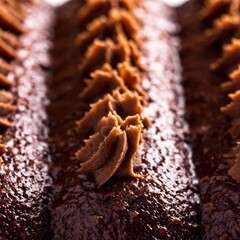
(154, 207)
(211, 141)
(24, 166)
(106, 133)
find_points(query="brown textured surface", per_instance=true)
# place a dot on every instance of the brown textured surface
(11, 25)
(161, 206)
(24, 172)
(220, 196)
(115, 143)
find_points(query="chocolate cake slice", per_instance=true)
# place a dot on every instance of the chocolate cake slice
(24, 43)
(121, 162)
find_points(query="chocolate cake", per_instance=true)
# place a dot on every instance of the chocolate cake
(24, 43)
(118, 123)
(209, 76)
(113, 201)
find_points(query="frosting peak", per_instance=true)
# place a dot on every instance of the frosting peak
(235, 168)
(113, 126)
(112, 148)
(226, 30)
(11, 18)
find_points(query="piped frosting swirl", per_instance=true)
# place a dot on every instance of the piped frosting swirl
(111, 149)
(113, 126)
(11, 26)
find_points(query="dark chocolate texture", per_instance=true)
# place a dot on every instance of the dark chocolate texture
(162, 205)
(219, 193)
(24, 169)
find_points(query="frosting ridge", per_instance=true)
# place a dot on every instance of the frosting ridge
(113, 125)
(225, 30)
(11, 25)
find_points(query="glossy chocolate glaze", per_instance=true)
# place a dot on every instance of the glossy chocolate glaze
(220, 195)
(24, 172)
(163, 205)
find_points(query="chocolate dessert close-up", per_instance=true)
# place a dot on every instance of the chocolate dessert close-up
(119, 119)
(210, 56)
(24, 46)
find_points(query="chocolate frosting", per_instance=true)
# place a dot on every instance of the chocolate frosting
(102, 52)
(105, 80)
(233, 111)
(234, 83)
(11, 17)
(95, 8)
(231, 54)
(126, 104)
(112, 148)
(24, 172)
(110, 131)
(102, 82)
(112, 61)
(161, 204)
(211, 142)
(223, 28)
(214, 9)
(226, 27)
(117, 21)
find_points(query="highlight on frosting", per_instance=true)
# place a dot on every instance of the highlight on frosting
(230, 57)
(11, 16)
(95, 8)
(235, 168)
(126, 104)
(234, 83)
(103, 27)
(225, 16)
(111, 149)
(106, 80)
(10, 26)
(223, 28)
(102, 52)
(111, 69)
(214, 9)
(232, 87)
